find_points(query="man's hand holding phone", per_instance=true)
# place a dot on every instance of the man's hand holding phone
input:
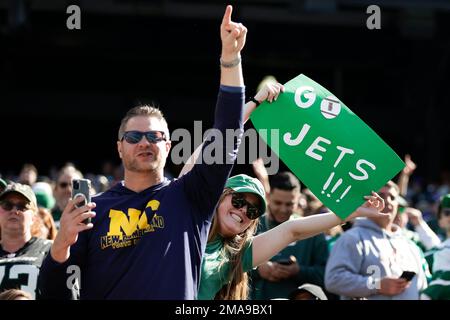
(287, 268)
(285, 262)
(408, 275)
(72, 223)
(392, 286)
(275, 271)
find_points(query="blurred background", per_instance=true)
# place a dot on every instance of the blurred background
(63, 92)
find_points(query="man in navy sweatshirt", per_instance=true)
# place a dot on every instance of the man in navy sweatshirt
(148, 234)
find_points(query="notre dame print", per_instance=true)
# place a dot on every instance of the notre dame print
(20, 270)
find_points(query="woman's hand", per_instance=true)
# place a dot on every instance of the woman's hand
(370, 209)
(374, 201)
(269, 92)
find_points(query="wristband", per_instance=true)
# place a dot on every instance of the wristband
(230, 64)
(255, 101)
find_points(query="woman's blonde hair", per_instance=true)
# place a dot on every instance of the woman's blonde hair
(233, 250)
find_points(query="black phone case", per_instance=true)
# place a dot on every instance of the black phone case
(408, 275)
(285, 262)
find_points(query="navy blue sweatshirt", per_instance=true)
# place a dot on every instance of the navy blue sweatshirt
(149, 245)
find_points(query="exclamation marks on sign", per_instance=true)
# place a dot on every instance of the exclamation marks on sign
(344, 193)
(327, 184)
(333, 189)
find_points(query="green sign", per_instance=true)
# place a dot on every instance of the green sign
(329, 148)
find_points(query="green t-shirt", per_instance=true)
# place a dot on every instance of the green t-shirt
(216, 268)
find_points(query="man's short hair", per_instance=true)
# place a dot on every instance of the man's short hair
(284, 181)
(142, 110)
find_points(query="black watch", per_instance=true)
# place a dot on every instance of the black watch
(255, 101)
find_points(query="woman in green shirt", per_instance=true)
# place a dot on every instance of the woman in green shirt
(232, 248)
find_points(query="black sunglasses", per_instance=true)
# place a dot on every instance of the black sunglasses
(238, 201)
(445, 212)
(64, 185)
(134, 137)
(8, 205)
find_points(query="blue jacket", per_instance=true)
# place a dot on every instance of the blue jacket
(365, 254)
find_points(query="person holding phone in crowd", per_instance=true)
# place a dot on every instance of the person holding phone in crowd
(368, 261)
(299, 263)
(148, 234)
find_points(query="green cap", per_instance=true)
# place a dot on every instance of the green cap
(45, 200)
(244, 183)
(445, 201)
(23, 189)
(44, 195)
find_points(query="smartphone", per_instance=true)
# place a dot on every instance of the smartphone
(81, 189)
(285, 262)
(408, 275)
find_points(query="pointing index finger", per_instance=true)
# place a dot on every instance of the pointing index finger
(227, 16)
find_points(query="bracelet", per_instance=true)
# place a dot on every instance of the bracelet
(230, 64)
(255, 101)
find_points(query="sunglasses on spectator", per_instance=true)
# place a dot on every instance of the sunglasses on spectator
(134, 137)
(446, 212)
(20, 206)
(64, 185)
(238, 201)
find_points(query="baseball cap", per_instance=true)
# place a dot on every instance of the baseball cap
(23, 189)
(312, 289)
(445, 202)
(44, 195)
(45, 200)
(244, 183)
